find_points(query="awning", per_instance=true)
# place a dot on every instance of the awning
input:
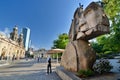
(53, 51)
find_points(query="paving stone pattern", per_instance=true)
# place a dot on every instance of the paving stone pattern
(28, 70)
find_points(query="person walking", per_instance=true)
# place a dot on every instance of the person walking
(49, 65)
(13, 58)
(38, 59)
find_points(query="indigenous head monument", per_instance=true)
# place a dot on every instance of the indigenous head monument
(86, 24)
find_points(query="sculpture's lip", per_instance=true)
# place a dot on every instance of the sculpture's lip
(93, 32)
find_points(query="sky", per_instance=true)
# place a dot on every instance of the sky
(45, 18)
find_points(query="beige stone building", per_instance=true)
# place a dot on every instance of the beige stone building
(12, 47)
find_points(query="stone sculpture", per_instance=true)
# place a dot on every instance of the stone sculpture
(87, 24)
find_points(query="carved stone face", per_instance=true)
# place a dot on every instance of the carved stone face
(90, 18)
(96, 17)
(92, 23)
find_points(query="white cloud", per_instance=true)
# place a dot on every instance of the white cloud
(6, 32)
(34, 47)
(1, 32)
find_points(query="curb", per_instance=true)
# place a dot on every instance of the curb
(66, 75)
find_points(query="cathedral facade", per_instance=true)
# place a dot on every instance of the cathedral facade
(12, 47)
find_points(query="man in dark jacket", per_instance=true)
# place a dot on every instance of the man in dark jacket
(49, 66)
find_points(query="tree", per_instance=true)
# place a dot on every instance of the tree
(61, 42)
(97, 47)
(111, 42)
(112, 9)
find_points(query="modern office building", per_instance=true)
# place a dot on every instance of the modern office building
(29, 46)
(26, 37)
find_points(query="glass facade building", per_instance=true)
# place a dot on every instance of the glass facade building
(26, 37)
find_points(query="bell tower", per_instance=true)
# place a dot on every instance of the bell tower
(14, 34)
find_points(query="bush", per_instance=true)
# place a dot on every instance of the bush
(103, 65)
(85, 73)
(108, 52)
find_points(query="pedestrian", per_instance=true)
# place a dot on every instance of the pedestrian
(13, 58)
(38, 58)
(49, 65)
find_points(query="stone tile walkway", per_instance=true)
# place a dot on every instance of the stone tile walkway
(27, 70)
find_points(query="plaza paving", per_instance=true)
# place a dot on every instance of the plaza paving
(28, 70)
(32, 70)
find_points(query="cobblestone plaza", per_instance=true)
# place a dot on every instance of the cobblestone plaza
(27, 70)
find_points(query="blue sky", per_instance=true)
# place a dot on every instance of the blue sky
(46, 18)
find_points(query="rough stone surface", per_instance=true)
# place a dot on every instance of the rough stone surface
(93, 17)
(86, 55)
(87, 24)
(82, 56)
(65, 74)
(69, 58)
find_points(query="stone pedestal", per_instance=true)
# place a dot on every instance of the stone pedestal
(78, 55)
(69, 57)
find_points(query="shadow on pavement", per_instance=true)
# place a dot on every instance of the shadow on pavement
(39, 75)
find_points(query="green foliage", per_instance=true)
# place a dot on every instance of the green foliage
(110, 42)
(85, 73)
(104, 42)
(102, 66)
(54, 56)
(97, 47)
(61, 42)
(108, 52)
(112, 9)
